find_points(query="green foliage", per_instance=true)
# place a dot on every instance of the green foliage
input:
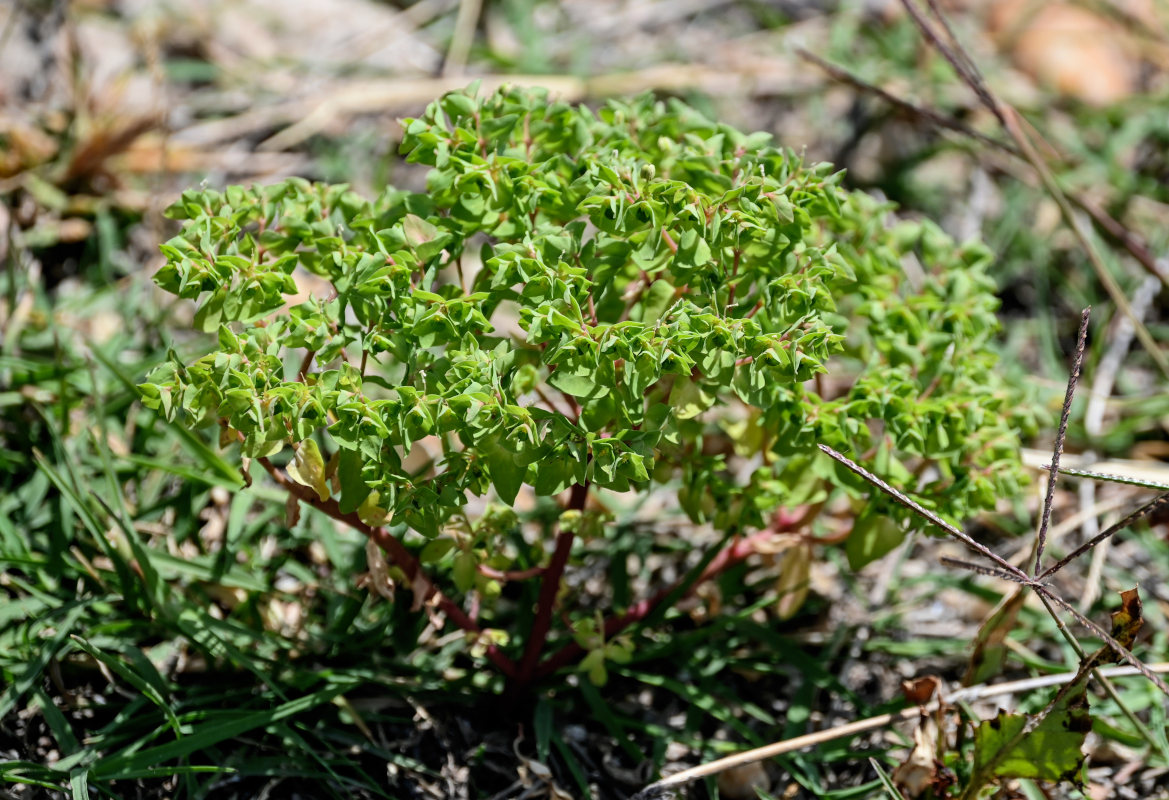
(1052, 751)
(658, 270)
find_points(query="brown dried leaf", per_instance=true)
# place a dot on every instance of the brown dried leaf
(291, 511)
(919, 771)
(1126, 621)
(919, 690)
(744, 782)
(379, 570)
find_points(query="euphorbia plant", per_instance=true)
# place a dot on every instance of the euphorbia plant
(633, 300)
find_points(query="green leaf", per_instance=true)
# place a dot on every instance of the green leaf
(1051, 752)
(693, 251)
(553, 475)
(873, 535)
(354, 489)
(463, 572)
(658, 298)
(506, 474)
(688, 399)
(578, 379)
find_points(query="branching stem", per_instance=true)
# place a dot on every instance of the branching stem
(399, 556)
(549, 587)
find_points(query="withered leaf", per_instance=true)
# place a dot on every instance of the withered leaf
(1128, 619)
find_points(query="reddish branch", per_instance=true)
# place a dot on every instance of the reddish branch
(398, 555)
(549, 587)
(307, 362)
(732, 554)
(530, 667)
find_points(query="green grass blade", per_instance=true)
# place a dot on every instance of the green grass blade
(886, 782)
(211, 733)
(145, 687)
(79, 784)
(46, 653)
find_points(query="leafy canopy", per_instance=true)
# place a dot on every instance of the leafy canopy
(612, 297)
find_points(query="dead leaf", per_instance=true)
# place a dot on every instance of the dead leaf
(1126, 621)
(919, 771)
(379, 571)
(291, 511)
(919, 690)
(536, 777)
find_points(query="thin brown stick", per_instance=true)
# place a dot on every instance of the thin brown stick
(1010, 119)
(946, 121)
(1061, 434)
(1111, 228)
(922, 511)
(1116, 646)
(1106, 280)
(1142, 511)
(956, 55)
(982, 569)
(307, 362)
(510, 575)
(1111, 478)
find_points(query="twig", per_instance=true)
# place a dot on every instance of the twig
(307, 362)
(1109, 283)
(913, 505)
(1116, 646)
(510, 575)
(982, 569)
(1061, 434)
(1126, 480)
(968, 72)
(1109, 226)
(1140, 512)
(937, 118)
(1108, 686)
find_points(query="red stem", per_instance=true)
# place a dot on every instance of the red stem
(398, 555)
(549, 587)
(734, 553)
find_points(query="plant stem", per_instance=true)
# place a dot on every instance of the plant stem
(402, 558)
(549, 587)
(732, 554)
